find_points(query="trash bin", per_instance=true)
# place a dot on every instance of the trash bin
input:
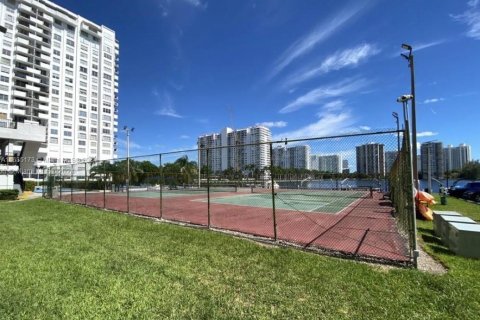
(443, 199)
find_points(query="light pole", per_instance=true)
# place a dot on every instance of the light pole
(409, 57)
(128, 131)
(395, 115)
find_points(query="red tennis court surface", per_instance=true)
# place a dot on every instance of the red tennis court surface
(365, 229)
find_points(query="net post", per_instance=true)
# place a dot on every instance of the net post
(272, 185)
(208, 189)
(161, 184)
(371, 191)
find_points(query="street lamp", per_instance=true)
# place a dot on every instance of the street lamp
(409, 57)
(128, 131)
(395, 115)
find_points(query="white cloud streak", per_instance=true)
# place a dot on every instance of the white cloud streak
(320, 94)
(167, 105)
(471, 17)
(341, 59)
(433, 100)
(308, 42)
(426, 134)
(332, 119)
(273, 124)
(421, 46)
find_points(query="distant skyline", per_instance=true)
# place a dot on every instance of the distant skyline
(301, 68)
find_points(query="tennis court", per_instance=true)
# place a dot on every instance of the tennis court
(325, 201)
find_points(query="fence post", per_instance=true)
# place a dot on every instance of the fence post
(43, 182)
(161, 185)
(61, 182)
(71, 183)
(273, 193)
(413, 218)
(128, 184)
(208, 189)
(86, 182)
(104, 185)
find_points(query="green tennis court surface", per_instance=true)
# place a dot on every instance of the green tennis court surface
(168, 193)
(319, 201)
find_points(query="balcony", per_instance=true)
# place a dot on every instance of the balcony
(22, 41)
(32, 79)
(36, 29)
(32, 70)
(18, 93)
(24, 7)
(43, 116)
(20, 103)
(43, 107)
(43, 99)
(34, 36)
(21, 58)
(33, 88)
(19, 112)
(22, 50)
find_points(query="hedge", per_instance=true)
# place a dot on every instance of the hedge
(8, 194)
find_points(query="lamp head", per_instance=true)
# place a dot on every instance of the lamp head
(406, 47)
(404, 98)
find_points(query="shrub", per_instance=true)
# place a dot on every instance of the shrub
(30, 185)
(9, 194)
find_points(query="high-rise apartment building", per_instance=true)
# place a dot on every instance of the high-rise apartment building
(432, 157)
(293, 157)
(371, 159)
(456, 157)
(236, 149)
(331, 163)
(59, 72)
(390, 157)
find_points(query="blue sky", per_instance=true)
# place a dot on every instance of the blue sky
(304, 68)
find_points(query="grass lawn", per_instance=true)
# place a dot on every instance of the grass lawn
(65, 261)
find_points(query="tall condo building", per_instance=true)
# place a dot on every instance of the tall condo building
(456, 157)
(371, 159)
(236, 149)
(294, 157)
(59, 76)
(433, 163)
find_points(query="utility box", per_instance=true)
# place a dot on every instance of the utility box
(464, 239)
(445, 225)
(437, 219)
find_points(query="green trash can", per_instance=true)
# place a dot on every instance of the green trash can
(443, 200)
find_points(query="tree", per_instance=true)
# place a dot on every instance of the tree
(471, 171)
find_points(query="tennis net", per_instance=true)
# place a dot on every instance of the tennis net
(360, 192)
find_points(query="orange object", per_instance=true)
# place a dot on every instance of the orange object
(425, 211)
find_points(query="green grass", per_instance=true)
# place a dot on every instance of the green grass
(65, 261)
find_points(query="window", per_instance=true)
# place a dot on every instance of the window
(68, 87)
(68, 80)
(67, 126)
(68, 110)
(53, 140)
(82, 143)
(82, 135)
(6, 52)
(106, 138)
(105, 110)
(83, 69)
(83, 84)
(69, 72)
(107, 83)
(106, 118)
(3, 97)
(82, 113)
(69, 57)
(106, 131)
(107, 56)
(107, 76)
(55, 76)
(83, 121)
(106, 124)
(54, 123)
(84, 77)
(83, 62)
(84, 47)
(93, 122)
(67, 118)
(57, 37)
(53, 131)
(82, 128)
(93, 130)
(82, 150)
(106, 69)
(55, 91)
(57, 44)
(105, 152)
(83, 91)
(55, 83)
(93, 137)
(95, 67)
(69, 64)
(68, 103)
(4, 79)
(82, 106)
(56, 52)
(3, 87)
(70, 43)
(94, 73)
(67, 142)
(106, 145)
(83, 98)
(56, 60)
(54, 115)
(69, 95)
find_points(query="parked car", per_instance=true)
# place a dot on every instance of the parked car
(472, 191)
(458, 188)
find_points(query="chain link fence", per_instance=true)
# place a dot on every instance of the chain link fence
(348, 195)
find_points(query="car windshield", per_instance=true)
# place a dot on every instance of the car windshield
(460, 184)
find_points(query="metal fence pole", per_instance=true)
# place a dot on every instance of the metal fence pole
(128, 184)
(273, 194)
(208, 188)
(86, 182)
(104, 185)
(71, 183)
(61, 182)
(43, 182)
(161, 185)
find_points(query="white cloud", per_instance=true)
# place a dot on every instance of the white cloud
(426, 134)
(320, 94)
(273, 124)
(123, 144)
(341, 59)
(433, 100)
(329, 121)
(471, 17)
(308, 42)
(184, 136)
(167, 107)
(420, 46)
(365, 128)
